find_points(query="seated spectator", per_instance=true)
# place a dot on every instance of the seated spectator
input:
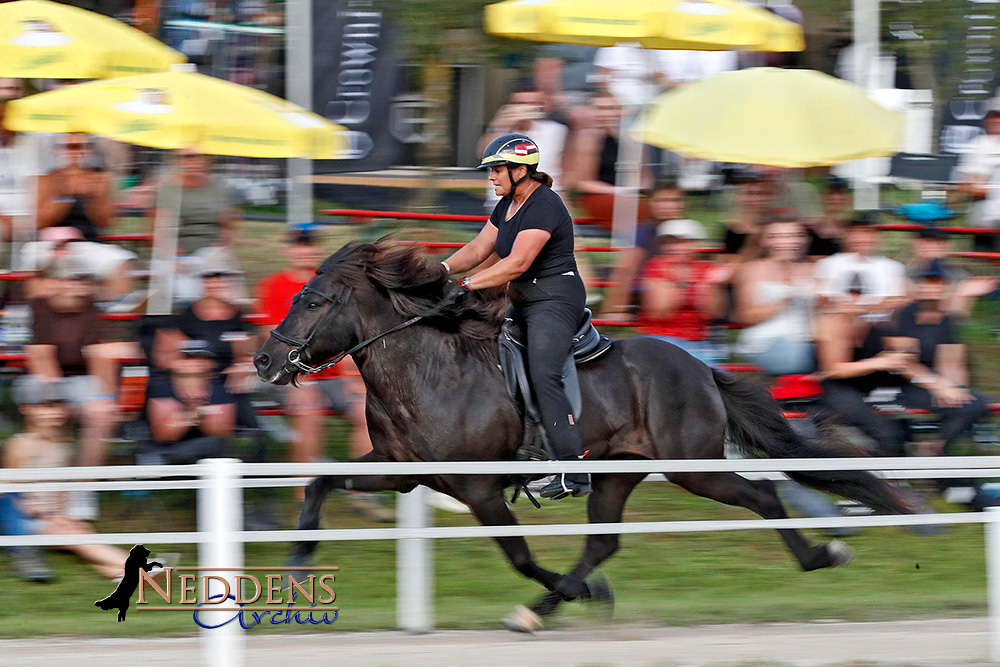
(826, 232)
(111, 265)
(858, 279)
(18, 166)
(918, 357)
(68, 345)
(191, 415)
(680, 294)
(776, 301)
(930, 245)
(43, 445)
(78, 193)
(748, 209)
(307, 403)
(207, 217)
(666, 202)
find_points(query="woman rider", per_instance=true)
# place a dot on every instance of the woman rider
(529, 244)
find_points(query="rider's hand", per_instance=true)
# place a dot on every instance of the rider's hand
(454, 294)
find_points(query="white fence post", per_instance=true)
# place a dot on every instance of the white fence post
(220, 514)
(414, 565)
(992, 527)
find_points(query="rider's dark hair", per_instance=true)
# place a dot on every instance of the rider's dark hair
(540, 176)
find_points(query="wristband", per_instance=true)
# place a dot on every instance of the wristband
(466, 283)
(446, 267)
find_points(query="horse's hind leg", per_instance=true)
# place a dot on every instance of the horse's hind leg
(605, 505)
(759, 496)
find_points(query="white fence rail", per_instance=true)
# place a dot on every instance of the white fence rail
(221, 538)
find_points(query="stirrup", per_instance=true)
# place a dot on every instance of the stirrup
(560, 488)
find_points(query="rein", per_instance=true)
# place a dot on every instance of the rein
(338, 302)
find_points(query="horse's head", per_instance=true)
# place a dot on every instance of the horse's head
(322, 323)
(364, 290)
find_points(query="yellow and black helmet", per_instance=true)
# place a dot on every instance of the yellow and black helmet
(510, 149)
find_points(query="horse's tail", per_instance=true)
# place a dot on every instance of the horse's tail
(756, 425)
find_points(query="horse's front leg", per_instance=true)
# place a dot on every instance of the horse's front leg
(493, 511)
(605, 505)
(320, 488)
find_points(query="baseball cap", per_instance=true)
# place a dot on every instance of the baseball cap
(302, 232)
(197, 348)
(993, 106)
(931, 232)
(682, 228)
(68, 267)
(935, 270)
(217, 264)
(32, 390)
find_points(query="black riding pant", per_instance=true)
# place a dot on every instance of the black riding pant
(890, 434)
(550, 310)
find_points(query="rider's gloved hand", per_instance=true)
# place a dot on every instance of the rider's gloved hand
(454, 294)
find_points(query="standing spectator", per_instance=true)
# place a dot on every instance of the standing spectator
(826, 232)
(191, 415)
(776, 301)
(592, 160)
(43, 445)
(17, 165)
(680, 295)
(979, 171)
(531, 112)
(207, 216)
(858, 280)
(928, 371)
(68, 346)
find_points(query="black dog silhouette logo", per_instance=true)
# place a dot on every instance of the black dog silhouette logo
(130, 581)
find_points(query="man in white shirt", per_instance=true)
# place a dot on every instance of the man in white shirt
(979, 171)
(859, 279)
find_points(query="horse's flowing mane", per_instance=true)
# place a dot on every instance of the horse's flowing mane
(415, 286)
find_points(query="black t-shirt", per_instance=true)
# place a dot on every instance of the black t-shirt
(822, 246)
(219, 334)
(929, 335)
(543, 210)
(732, 242)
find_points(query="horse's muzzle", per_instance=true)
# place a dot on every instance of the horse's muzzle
(270, 366)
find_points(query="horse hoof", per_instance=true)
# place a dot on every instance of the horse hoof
(523, 619)
(840, 553)
(601, 589)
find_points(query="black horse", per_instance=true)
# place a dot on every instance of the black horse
(436, 393)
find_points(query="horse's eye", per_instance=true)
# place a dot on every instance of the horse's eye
(313, 306)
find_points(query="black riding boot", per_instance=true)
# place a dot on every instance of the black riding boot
(567, 484)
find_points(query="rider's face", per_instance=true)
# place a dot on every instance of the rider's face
(500, 178)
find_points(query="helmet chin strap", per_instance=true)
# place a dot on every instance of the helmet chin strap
(513, 183)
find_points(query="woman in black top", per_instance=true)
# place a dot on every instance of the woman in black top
(528, 243)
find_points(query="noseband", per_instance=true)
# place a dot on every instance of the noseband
(337, 303)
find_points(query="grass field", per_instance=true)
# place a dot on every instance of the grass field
(664, 579)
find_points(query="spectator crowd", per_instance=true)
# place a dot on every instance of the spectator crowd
(785, 278)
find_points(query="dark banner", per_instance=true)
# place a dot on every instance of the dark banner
(355, 69)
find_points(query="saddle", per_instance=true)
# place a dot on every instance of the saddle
(588, 345)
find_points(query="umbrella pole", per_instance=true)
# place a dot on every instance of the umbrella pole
(865, 37)
(298, 71)
(164, 259)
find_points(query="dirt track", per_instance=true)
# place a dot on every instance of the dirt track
(929, 642)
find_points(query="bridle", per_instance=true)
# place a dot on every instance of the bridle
(337, 303)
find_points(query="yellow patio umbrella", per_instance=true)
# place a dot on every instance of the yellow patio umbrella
(181, 109)
(703, 25)
(766, 115)
(42, 39)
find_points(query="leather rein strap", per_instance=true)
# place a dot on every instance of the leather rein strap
(338, 302)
